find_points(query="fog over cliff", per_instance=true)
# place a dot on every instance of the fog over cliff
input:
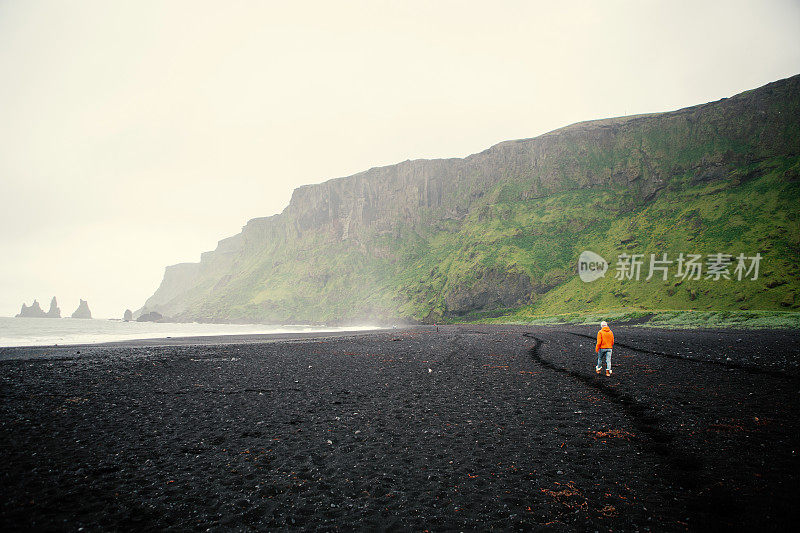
(370, 245)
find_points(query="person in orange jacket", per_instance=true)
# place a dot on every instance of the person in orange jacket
(605, 342)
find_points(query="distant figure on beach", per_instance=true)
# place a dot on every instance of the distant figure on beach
(605, 342)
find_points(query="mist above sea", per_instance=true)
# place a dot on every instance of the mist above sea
(67, 331)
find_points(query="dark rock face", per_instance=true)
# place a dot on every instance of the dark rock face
(82, 311)
(492, 289)
(152, 316)
(55, 311)
(128, 316)
(34, 311)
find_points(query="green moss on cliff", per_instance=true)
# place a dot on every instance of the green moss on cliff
(543, 238)
(499, 233)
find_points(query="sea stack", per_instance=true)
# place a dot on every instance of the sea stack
(34, 311)
(82, 311)
(55, 311)
(128, 316)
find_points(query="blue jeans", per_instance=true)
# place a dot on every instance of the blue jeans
(607, 353)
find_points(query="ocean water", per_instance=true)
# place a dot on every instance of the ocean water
(65, 331)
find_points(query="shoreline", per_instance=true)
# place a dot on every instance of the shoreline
(46, 334)
(664, 320)
(21, 352)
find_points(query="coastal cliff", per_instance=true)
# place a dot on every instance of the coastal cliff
(501, 229)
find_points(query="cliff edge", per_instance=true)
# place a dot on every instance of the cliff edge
(447, 237)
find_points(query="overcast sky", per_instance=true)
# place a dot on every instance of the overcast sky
(136, 134)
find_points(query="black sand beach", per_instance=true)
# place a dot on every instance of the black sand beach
(467, 428)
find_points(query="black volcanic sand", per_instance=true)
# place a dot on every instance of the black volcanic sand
(467, 428)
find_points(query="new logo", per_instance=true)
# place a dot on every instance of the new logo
(591, 266)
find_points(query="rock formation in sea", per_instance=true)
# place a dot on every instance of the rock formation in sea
(82, 311)
(152, 316)
(34, 311)
(128, 316)
(55, 311)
